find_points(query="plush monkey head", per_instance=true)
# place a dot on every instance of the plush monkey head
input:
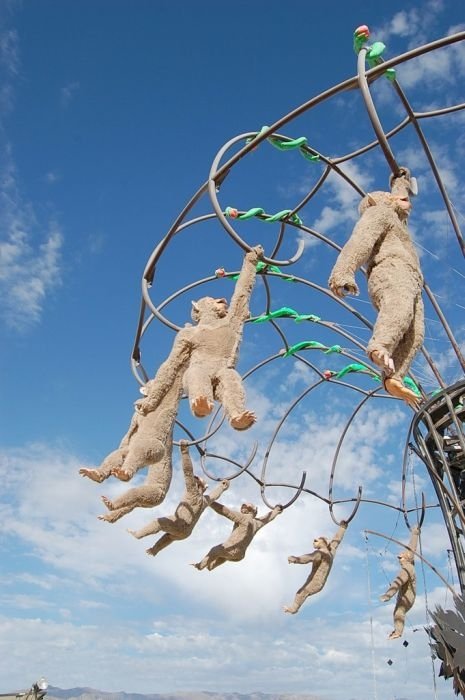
(208, 308)
(405, 556)
(249, 509)
(321, 543)
(399, 202)
(201, 484)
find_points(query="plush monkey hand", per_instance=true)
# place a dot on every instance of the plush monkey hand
(342, 283)
(255, 254)
(225, 484)
(141, 406)
(293, 560)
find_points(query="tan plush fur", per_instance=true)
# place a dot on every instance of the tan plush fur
(213, 346)
(193, 503)
(381, 240)
(246, 526)
(202, 361)
(322, 561)
(404, 585)
(147, 443)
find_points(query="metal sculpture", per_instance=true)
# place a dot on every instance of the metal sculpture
(335, 350)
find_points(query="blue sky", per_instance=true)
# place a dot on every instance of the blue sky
(111, 115)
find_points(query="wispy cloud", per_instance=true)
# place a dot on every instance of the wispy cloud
(29, 270)
(344, 199)
(412, 23)
(30, 251)
(68, 93)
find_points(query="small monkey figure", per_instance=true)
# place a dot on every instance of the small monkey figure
(246, 526)
(147, 443)
(322, 561)
(193, 503)
(381, 240)
(404, 585)
(202, 360)
(213, 346)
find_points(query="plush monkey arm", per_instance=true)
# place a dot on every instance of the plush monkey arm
(271, 515)
(304, 558)
(239, 306)
(168, 371)
(216, 493)
(191, 485)
(414, 539)
(358, 249)
(133, 426)
(400, 580)
(221, 509)
(338, 537)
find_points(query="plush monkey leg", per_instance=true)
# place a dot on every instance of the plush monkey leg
(216, 562)
(163, 542)
(115, 515)
(149, 529)
(298, 602)
(399, 622)
(393, 292)
(145, 496)
(209, 558)
(198, 385)
(309, 588)
(141, 453)
(403, 356)
(230, 392)
(113, 461)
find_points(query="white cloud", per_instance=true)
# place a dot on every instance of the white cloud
(52, 177)
(413, 23)
(68, 93)
(194, 623)
(28, 271)
(29, 263)
(344, 199)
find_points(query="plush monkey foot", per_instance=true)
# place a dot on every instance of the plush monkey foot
(289, 610)
(134, 534)
(201, 406)
(108, 503)
(243, 420)
(122, 474)
(152, 551)
(382, 359)
(395, 635)
(396, 388)
(93, 474)
(109, 517)
(384, 598)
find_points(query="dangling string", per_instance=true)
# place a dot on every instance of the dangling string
(428, 620)
(375, 691)
(450, 574)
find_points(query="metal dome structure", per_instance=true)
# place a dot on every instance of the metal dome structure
(293, 300)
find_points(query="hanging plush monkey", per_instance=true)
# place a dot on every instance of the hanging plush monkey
(381, 240)
(202, 360)
(404, 585)
(246, 526)
(212, 346)
(193, 503)
(322, 561)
